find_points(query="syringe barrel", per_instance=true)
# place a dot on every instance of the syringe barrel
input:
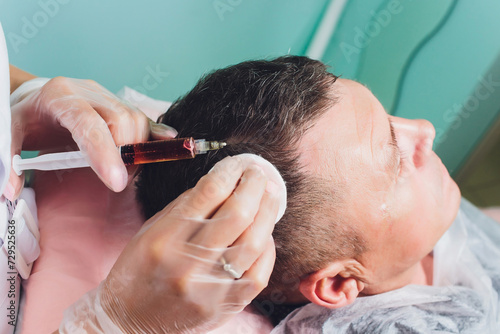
(158, 151)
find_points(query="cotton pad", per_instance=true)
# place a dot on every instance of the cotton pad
(272, 174)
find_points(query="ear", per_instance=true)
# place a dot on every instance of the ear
(331, 287)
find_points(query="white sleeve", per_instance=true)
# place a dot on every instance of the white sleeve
(5, 136)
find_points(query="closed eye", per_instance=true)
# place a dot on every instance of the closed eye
(402, 158)
(401, 155)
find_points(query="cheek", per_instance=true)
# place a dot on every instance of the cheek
(411, 240)
(417, 221)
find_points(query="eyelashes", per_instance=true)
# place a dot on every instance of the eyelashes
(402, 159)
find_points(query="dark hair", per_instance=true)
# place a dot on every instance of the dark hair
(262, 107)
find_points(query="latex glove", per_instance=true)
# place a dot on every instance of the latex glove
(67, 111)
(170, 277)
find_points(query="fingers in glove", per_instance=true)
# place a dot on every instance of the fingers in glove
(236, 214)
(255, 279)
(93, 137)
(251, 244)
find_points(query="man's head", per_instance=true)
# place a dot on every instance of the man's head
(352, 225)
(399, 194)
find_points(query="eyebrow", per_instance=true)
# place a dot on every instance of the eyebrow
(393, 143)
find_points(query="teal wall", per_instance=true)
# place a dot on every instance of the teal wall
(118, 42)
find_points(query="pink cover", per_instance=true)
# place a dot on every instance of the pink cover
(83, 228)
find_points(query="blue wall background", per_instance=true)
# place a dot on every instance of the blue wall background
(118, 42)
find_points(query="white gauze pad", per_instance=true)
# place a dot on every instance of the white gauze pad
(272, 174)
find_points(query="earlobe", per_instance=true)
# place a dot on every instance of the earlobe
(326, 287)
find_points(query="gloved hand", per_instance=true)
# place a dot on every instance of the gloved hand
(67, 111)
(171, 277)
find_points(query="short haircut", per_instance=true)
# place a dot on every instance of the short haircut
(263, 107)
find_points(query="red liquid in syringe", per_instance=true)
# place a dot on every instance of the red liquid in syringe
(158, 151)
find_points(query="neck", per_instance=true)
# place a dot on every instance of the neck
(424, 271)
(428, 266)
(420, 274)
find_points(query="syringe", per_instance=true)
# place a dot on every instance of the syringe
(133, 154)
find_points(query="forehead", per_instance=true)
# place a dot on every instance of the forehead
(350, 140)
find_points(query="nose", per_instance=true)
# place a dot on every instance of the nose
(415, 137)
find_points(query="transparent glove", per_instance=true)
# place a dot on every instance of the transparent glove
(66, 111)
(173, 276)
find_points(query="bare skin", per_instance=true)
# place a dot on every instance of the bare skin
(18, 77)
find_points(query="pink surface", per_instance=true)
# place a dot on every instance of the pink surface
(83, 228)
